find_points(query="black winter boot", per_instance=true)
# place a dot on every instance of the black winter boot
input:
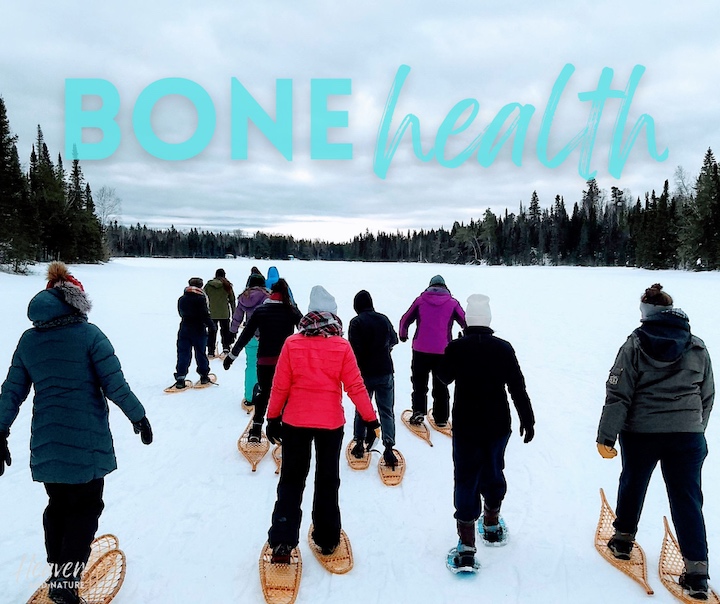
(695, 579)
(466, 547)
(466, 532)
(65, 591)
(491, 515)
(621, 545)
(390, 457)
(416, 418)
(255, 433)
(358, 451)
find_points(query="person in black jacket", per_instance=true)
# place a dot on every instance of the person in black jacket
(195, 323)
(274, 320)
(372, 338)
(481, 365)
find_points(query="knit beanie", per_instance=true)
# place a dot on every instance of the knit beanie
(195, 282)
(321, 300)
(256, 280)
(437, 280)
(478, 312)
(58, 274)
(654, 300)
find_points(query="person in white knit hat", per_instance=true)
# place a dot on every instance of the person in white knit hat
(482, 365)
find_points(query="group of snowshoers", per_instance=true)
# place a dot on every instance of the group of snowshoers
(658, 400)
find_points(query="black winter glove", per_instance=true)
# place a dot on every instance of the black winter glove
(274, 430)
(529, 432)
(227, 361)
(372, 432)
(4, 452)
(142, 427)
(403, 338)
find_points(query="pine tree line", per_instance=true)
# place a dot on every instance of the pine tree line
(45, 214)
(678, 230)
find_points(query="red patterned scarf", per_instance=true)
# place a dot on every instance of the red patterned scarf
(322, 323)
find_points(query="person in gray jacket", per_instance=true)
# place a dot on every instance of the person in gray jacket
(73, 368)
(658, 400)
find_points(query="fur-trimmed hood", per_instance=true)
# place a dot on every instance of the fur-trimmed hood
(63, 300)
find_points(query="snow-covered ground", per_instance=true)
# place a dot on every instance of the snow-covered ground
(192, 517)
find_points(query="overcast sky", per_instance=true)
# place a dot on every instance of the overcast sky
(495, 52)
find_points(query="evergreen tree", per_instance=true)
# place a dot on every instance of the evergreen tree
(16, 244)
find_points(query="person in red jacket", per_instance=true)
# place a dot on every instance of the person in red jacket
(305, 406)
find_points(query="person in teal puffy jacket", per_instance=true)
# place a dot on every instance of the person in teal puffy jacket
(73, 368)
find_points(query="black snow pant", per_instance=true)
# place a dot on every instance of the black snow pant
(424, 363)
(71, 521)
(265, 374)
(226, 336)
(189, 341)
(681, 456)
(297, 443)
(479, 463)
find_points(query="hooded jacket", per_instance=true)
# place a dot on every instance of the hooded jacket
(194, 312)
(661, 381)
(435, 310)
(372, 338)
(221, 298)
(73, 369)
(273, 322)
(247, 302)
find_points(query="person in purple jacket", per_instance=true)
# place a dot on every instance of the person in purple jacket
(434, 311)
(253, 296)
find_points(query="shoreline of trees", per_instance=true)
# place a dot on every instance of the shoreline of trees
(47, 214)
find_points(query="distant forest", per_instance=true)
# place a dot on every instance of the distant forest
(48, 214)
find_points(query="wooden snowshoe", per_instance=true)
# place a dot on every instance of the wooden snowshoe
(253, 452)
(635, 568)
(249, 407)
(446, 430)
(212, 382)
(672, 565)
(280, 582)
(420, 431)
(488, 540)
(277, 458)
(460, 570)
(340, 561)
(357, 464)
(172, 390)
(392, 477)
(103, 575)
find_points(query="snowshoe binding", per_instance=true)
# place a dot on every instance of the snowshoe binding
(461, 559)
(493, 535)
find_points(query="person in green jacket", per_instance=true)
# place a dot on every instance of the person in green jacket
(221, 298)
(73, 368)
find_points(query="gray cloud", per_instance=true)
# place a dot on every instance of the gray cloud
(496, 54)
